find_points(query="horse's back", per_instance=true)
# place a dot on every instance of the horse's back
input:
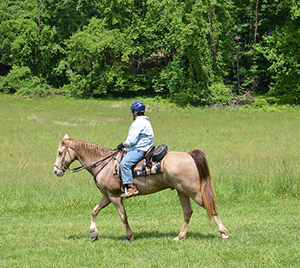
(181, 172)
(176, 163)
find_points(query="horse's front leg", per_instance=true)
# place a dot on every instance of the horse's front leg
(102, 204)
(117, 201)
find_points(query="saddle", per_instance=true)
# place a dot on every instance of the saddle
(150, 164)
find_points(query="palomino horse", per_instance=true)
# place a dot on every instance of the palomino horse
(188, 173)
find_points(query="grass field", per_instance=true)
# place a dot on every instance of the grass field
(254, 161)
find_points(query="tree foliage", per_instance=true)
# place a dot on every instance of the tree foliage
(282, 50)
(197, 52)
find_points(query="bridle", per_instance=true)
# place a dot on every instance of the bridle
(96, 164)
(62, 163)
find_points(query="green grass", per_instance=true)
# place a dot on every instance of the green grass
(254, 161)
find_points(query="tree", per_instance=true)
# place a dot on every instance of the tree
(254, 20)
(196, 52)
(281, 48)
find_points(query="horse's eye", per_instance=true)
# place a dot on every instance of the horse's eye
(61, 150)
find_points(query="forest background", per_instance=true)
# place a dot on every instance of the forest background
(193, 52)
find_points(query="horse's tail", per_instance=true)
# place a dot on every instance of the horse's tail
(206, 187)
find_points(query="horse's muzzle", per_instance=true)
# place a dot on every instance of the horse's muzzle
(58, 172)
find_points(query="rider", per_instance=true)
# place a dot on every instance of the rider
(138, 142)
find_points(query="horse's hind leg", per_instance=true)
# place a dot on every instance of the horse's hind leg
(93, 228)
(187, 212)
(223, 231)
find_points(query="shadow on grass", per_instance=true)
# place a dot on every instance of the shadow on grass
(148, 235)
(77, 237)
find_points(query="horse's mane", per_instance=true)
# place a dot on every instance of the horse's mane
(89, 148)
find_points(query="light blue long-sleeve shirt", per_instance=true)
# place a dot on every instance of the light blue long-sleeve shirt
(140, 135)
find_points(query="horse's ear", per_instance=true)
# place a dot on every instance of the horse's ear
(62, 139)
(66, 136)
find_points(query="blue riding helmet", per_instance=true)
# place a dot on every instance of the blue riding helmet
(138, 106)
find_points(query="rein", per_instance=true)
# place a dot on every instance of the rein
(96, 164)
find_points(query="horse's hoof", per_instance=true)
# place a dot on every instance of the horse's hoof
(126, 239)
(178, 238)
(94, 235)
(225, 236)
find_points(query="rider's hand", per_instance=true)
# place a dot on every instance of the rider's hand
(120, 146)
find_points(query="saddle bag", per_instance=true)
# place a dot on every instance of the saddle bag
(159, 153)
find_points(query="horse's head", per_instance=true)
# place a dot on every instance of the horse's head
(65, 156)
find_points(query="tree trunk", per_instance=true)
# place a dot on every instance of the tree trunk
(39, 18)
(255, 31)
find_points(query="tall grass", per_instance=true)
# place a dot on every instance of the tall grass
(250, 153)
(254, 161)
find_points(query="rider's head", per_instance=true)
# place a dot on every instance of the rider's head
(137, 108)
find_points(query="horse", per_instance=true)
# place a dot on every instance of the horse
(188, 173)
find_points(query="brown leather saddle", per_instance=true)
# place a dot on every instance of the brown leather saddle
(150, 164)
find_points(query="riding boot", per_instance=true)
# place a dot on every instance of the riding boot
(130, 191)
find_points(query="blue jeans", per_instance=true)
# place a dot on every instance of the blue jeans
(129, 160)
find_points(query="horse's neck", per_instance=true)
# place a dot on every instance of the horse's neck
(88, 153)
